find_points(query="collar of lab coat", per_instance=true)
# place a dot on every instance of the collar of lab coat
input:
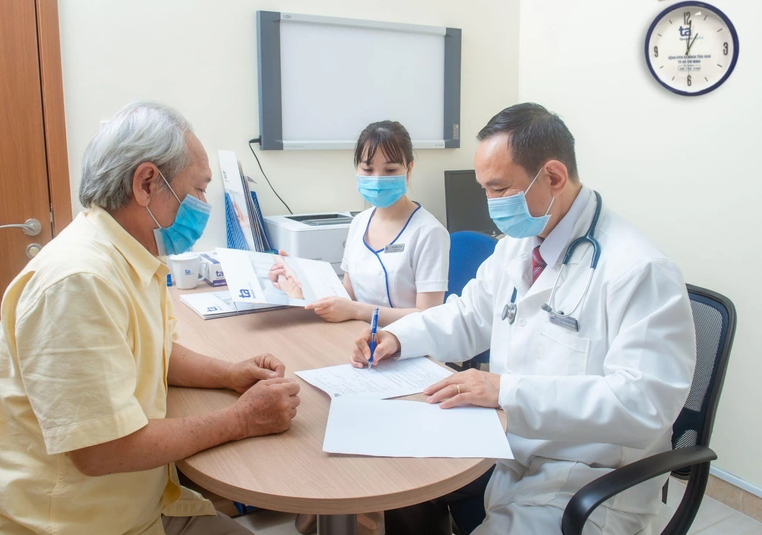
(519, 269)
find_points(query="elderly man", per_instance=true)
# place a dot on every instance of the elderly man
(591, 372)
(87, 352)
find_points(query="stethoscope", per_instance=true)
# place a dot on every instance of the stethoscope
(375, 253)
(559, 317)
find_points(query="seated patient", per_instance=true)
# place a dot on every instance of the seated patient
(87, 352)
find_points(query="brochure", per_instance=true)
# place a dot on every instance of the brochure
(243, 215)
(256, 278)
(210, 305)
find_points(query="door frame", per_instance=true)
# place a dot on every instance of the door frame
(51, 79)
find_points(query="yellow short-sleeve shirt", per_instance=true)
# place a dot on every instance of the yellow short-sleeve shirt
(87, 332)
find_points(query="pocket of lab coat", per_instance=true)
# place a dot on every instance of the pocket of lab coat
(561, 352)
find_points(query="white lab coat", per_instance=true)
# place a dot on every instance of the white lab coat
(578, 404)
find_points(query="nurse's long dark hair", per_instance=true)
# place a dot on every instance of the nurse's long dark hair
(391, 137)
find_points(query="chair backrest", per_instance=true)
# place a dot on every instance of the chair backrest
(714, 317)
(467, 252)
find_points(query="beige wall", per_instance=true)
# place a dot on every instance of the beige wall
(200, 56)
(683, 169)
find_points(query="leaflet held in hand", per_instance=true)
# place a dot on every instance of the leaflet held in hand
(278, 280)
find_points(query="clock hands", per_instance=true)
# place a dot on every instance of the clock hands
(688, 39)
(691, 44)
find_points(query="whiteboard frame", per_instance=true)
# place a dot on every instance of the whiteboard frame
(269, 71)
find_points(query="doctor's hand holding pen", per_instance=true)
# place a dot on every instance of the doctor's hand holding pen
(471, 387)
(387, 345)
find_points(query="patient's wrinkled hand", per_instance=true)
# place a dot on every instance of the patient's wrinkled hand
(243, 375)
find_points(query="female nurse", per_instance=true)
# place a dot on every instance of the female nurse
(397, 253)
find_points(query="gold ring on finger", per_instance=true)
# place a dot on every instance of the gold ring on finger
(458, 387)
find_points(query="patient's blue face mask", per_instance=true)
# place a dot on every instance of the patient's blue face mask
(382, 191)
(188, 227)
(512, 217)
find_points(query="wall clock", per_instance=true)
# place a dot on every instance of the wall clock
(691, 48)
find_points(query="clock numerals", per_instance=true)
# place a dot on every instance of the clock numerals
(688, 49)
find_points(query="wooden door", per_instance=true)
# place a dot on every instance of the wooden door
(32, 133)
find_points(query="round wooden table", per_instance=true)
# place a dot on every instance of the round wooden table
(290, 472)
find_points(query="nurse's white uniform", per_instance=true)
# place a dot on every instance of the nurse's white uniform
(578, 404)
(417, 260)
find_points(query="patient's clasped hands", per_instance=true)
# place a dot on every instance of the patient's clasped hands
(268, 401)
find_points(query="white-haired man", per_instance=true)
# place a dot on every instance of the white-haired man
(87, 352)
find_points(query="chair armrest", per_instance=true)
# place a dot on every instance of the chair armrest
(596, 492)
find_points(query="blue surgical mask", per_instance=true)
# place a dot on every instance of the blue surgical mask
(382, 191)
(512, 217)
(188, 227)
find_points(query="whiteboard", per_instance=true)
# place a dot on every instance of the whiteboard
(324, 79)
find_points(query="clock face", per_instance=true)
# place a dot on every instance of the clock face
(691, 48)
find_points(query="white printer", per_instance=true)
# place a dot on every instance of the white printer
(316, 236)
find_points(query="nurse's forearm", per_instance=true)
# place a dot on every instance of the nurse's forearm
(159, 443)
(386, 315)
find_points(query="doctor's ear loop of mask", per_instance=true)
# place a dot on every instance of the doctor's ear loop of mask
(259, 140)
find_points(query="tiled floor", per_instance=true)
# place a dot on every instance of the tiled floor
(714, 518)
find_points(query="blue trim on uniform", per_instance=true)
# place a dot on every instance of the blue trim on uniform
(375, 253)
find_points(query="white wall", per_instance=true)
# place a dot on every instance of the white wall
(683, 169)
(200, 56)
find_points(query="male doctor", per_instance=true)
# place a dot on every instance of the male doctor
(579, 403)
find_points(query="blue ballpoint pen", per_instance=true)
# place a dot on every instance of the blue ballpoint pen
(373, 329)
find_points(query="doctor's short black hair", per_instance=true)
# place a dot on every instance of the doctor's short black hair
(391, 137)
(535, 136)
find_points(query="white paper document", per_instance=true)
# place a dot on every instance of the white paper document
(390, 379)
(395, 428)
(278, 280)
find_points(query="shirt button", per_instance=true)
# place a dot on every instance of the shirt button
(522, 322)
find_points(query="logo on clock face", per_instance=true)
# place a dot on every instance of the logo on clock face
(685, 31)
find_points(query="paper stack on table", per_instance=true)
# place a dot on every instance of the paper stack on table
(362, 421)
(395, 428)
(210, 305)
(389, 379)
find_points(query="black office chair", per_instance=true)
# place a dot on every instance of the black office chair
(715, 319)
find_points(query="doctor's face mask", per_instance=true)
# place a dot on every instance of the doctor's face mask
(511, 214)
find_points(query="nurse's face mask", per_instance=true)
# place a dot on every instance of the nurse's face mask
(511, 214)
(188, 227)
(382, 191)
